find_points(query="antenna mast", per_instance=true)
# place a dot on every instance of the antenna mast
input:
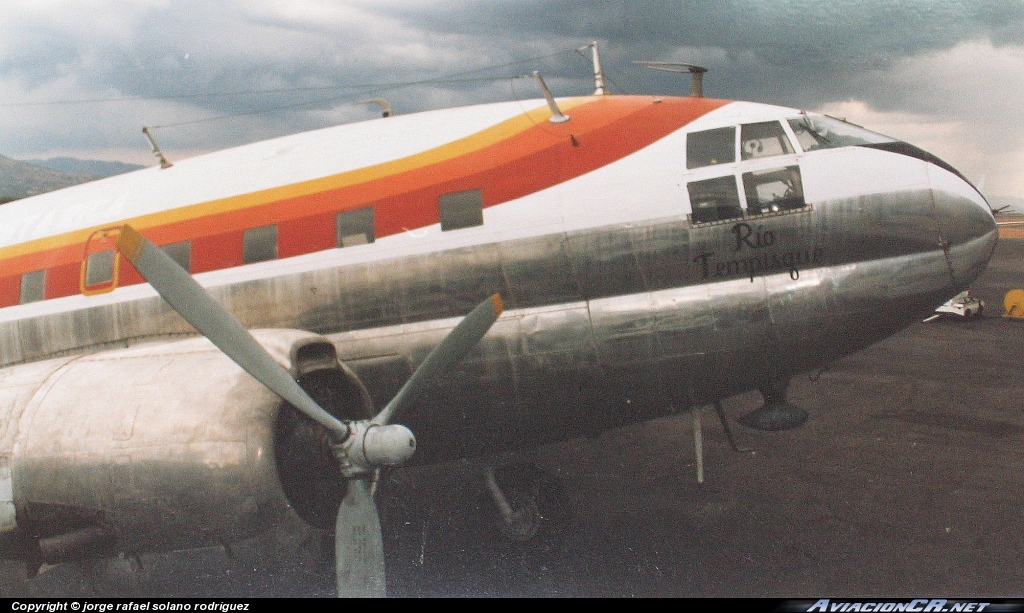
(156, 150)
(696, 73)
(557, 116)
(599, 89)
(385, 106)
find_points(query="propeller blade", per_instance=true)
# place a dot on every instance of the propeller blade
(214, 322)
(459, 341)
(358, 545)
(364, 446)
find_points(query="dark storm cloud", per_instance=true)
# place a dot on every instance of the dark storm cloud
(797, 51)
(183, 48)
(864, 26)
(793, 52)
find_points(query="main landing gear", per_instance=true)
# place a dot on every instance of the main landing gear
(776, 413)
(524, 502)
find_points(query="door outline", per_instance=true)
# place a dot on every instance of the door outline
(98, 242)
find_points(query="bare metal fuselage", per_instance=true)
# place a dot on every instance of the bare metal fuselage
(606, 325)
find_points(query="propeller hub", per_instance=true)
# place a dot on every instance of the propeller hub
(390, 445)
(370, 446)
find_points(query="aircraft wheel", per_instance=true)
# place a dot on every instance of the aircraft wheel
(538, 505)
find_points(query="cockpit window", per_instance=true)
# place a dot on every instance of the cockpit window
(765, 139)
(815, 131)
(710, 147)
(714, 199)
(773, 190)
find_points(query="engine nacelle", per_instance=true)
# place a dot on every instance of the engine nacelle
(161, 446)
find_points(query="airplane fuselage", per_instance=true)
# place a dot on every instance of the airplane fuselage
(654, 254)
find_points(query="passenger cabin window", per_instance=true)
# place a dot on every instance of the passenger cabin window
(33, 286)
(710, 147)
(461, 210)
(714, 199)
(773, 190)
(180, 252)
(355, 227)
(765, 139)
(259, 244)
(99, 268)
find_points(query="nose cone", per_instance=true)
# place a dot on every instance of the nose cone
(965, 224)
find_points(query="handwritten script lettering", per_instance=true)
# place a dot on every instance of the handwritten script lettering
(758, 259)
(747, 236)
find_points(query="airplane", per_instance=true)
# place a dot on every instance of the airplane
(197, 352)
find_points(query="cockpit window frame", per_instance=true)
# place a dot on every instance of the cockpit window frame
(708, 162)
(783, 159)
(780, 134)
(857, 136)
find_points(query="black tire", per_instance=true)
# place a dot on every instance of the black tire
(524, 482)
(522, 566)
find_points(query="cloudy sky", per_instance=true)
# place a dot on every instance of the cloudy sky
(81, 77)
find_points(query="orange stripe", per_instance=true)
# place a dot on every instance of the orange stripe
(491, 135)
(509, 160)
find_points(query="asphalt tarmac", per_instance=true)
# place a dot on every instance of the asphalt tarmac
(905, 482)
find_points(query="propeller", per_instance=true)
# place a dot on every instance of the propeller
(362, 447)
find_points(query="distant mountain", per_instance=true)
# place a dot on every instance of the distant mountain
(20, 179)
(96, 168)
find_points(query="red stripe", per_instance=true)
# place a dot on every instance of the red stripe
(547, 154)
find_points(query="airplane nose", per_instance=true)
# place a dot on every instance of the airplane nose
(966, 226)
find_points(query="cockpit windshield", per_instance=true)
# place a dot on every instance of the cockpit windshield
(815, 131)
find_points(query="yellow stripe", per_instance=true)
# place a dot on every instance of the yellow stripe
(473, 142)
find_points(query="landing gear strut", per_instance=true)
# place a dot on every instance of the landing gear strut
(524, 500)
(776, 413)
(519, 517)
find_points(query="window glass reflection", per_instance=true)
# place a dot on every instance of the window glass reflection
(99, 268)
(710, 147)
(33, 286)
(259, 244)
(355, 227)
(815, 131)
(773, 190)
(765, 139)
(714, 199)
(461, 210)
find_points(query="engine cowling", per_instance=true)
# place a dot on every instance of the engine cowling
(166, 446)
